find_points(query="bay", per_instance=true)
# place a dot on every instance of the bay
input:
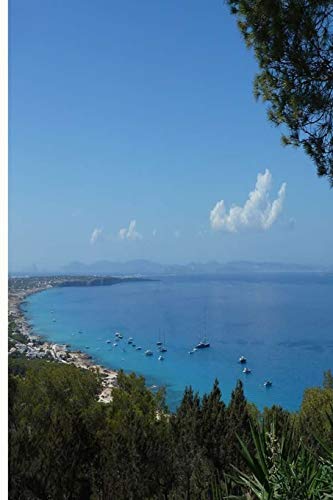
(281, 323)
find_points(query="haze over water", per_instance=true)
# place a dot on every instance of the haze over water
(282, 324)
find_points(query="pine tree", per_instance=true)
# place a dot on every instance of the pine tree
(238, 426)
(213, 427)
(293, 43)
(188, 453)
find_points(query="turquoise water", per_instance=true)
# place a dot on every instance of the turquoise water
(283, 324)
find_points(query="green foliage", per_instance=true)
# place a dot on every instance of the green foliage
(64, 444)
(213, 427)
(48, 439)
(134, 456)
(253, 412)
(18, 337)
(279, 470)
(328, 380)
(194, 473)
(276, 471)
(11, 325)
(239, 425)
(312, 418)
(293, 43)
(14, 335)
(280, 418)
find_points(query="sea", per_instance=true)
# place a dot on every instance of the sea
(282, 323)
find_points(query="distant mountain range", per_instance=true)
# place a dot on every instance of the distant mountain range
(148, 268)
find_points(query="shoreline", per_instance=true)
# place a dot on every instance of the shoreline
(38, 347)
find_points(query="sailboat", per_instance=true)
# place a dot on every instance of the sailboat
(159, 342)
(203, 344)
(161, 346)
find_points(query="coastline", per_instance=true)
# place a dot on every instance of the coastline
(39, 348)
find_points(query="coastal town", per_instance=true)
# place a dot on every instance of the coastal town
(23, 342)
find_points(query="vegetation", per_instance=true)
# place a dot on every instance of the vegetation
(64, 444)
(279, 469)
(293, 43)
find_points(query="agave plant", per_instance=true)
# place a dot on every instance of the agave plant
(279, 470)
(283, 468)
(325, 480)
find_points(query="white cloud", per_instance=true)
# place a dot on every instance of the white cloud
(258, 211)
(130, 233)
(95, 235)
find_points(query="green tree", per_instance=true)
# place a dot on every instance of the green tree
(312, 417)
(50, 451)
(280, 418)
(293, 43)
(238, 426)
(189, 456)
(134, 458)
(213, 428)
(328, 380)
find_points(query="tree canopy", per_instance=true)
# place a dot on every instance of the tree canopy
(64, 444)
(293, 43)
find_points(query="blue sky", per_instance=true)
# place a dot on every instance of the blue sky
(129, 122)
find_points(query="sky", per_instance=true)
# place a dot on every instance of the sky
(134, 134)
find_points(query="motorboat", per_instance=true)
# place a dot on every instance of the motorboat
(148, 353)
(242, 360)
(268, 383)
(108, 341)
(161, 358)
(138, 348)
(247, 370)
